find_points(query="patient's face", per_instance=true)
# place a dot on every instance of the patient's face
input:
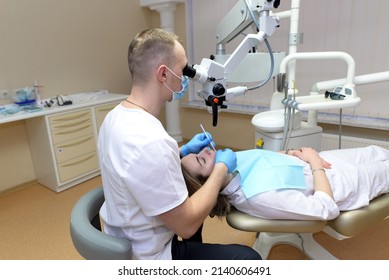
(199, 164)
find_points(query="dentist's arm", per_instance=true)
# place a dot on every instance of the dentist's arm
(185, 219)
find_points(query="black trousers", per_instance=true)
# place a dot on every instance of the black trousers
(195, 249)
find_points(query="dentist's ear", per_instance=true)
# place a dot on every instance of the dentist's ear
(161, 72)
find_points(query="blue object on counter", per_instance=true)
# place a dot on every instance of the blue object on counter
(32, 109)
(24, 94)
(26, 102)
(10, 109)
(27, 107)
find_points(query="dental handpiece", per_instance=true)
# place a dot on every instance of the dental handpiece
(206, 135)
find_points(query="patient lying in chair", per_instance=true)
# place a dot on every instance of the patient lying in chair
(297, 184)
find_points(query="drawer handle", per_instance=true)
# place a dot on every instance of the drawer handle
(76, 142)
(79, 161)
(68, 118)
(72, 130)
(58, 126)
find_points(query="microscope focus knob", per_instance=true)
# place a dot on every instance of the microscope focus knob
(218, 89)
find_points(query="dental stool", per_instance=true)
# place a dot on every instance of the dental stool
(299, 233)
(85, 230)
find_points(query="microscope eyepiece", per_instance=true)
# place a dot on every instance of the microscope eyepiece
(189, 71)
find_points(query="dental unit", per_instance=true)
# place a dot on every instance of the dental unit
(282, 127)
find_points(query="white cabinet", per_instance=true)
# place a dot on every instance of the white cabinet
(63, 146)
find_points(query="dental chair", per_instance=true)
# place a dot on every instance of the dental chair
(300, 233)
(85, 230)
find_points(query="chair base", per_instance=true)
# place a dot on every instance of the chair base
(302, 241)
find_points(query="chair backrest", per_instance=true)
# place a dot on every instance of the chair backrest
(86, 233)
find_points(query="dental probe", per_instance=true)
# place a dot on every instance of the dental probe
(206, 135)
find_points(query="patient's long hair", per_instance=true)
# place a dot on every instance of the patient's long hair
(222, 207)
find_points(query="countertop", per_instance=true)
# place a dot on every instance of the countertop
(79, 101)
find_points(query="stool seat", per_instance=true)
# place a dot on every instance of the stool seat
(86, 234)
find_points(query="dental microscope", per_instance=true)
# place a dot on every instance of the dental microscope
(281, 127)
(214, 72)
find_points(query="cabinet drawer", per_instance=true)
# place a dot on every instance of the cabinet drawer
(102, 111)
(78, 166)
(74, 148)
(70, 126)
(69, 119)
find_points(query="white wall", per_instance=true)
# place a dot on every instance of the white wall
(68, 47)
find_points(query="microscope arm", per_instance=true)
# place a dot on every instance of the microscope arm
(213, 75)
(240, 17)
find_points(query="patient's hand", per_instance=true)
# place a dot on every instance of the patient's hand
(311, 156)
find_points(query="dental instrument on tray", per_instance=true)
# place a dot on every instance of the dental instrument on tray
(210, 140)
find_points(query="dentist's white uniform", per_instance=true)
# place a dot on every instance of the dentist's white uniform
(138, 185)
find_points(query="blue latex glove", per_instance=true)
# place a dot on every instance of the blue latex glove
(196, 144)
(228, 157)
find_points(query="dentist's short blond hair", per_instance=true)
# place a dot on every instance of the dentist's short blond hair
(148, 50)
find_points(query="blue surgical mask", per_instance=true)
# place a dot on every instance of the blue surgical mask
(184, 86)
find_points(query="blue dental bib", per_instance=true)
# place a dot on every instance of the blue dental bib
(263, 171)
